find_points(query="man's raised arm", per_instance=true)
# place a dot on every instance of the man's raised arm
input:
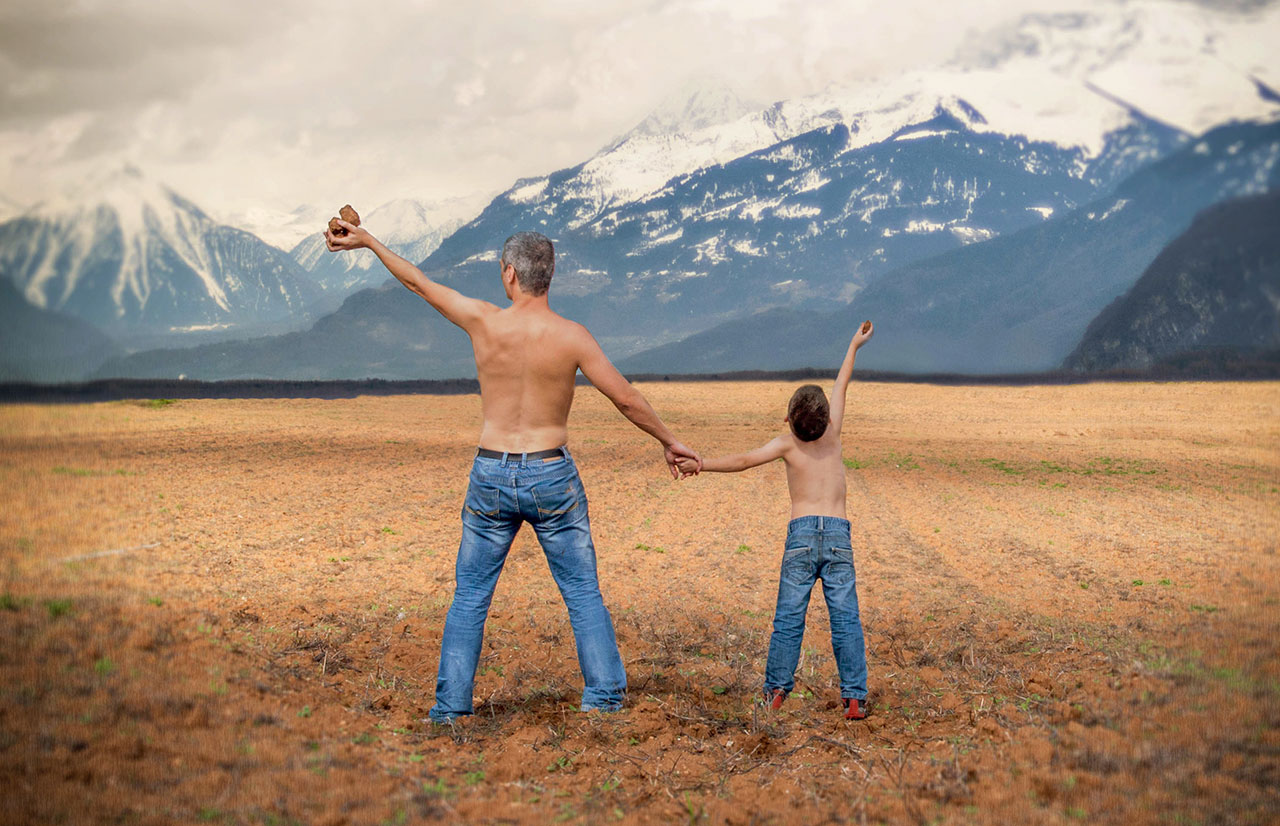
(453, 305)
(595, 365)
(846, 372)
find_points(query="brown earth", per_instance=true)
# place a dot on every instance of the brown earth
(1070, 598)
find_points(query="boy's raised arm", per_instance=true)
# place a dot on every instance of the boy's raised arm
(846, 372)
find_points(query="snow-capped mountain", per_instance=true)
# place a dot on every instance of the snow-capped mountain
(1068, 79)
(805, 221)
(411, 228)
(1016, 303)
(136, 259)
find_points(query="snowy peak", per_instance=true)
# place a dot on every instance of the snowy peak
(690, 110)
(1187, 65)
(131, 255)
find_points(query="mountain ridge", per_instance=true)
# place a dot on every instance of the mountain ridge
(1215, 286)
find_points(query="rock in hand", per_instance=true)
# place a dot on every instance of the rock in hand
(347, 214)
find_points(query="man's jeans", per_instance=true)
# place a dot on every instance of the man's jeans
(548, 495)
(818, 547)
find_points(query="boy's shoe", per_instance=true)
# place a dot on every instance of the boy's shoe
(773, 699)
(854, 709)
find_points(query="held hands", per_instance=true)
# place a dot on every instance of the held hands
(356, 238)
(682, 460)
(687, 467)
(864, 334)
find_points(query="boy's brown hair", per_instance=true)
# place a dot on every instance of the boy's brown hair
(808, 413)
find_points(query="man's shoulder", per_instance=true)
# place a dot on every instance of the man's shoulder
(572, 330)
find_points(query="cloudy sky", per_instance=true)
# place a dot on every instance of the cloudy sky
(267, 105)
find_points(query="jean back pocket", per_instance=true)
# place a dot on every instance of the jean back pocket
(562, 500)
(481, 503)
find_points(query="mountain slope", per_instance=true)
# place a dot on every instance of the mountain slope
(135, 259)
(43, 346)
(811, 218)
(383, 332)
(1016, 303)
(1216, 285)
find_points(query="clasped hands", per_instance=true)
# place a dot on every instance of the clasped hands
(682, 460)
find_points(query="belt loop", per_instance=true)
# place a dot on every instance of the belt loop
(524, 460)
(504, 458)
(820, 525)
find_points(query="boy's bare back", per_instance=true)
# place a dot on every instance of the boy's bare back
(815, 474)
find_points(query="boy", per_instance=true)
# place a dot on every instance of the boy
(818, 542)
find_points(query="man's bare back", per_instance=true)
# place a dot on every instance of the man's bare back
(526, 360)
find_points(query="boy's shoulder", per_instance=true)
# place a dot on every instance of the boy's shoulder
(785, 441)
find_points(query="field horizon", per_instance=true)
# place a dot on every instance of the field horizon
(229, 611)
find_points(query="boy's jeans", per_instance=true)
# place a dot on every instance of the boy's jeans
(501, 495)
(818, 547)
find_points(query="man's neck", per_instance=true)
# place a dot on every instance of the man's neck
(523, 302)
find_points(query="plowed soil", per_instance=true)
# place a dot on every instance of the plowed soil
(230, 612)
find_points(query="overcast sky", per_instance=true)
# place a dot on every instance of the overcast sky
(276, 103)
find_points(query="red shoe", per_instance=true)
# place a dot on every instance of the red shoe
(773, 699)
(854, 709)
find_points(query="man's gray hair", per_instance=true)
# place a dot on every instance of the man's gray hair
(534, 260)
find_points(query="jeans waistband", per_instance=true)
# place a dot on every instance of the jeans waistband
(534, 458)
(818, 523)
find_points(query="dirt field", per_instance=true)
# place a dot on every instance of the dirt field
(1070, 596)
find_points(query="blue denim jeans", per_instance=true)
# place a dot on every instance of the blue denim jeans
(503, 494)
(818, 548)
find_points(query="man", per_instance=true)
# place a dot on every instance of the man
(527, 358)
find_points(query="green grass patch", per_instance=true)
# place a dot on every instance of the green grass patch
(57, 607)
(156, 404)
(63, 470)
(1003, 467)
(905, 462)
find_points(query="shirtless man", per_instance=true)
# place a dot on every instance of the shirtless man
(527, 358)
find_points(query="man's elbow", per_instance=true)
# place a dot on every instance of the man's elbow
(628, 405)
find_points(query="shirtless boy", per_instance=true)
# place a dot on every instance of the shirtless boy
(818, 542)
(526, 359)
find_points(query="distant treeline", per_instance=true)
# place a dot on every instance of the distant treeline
(1203, 365)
